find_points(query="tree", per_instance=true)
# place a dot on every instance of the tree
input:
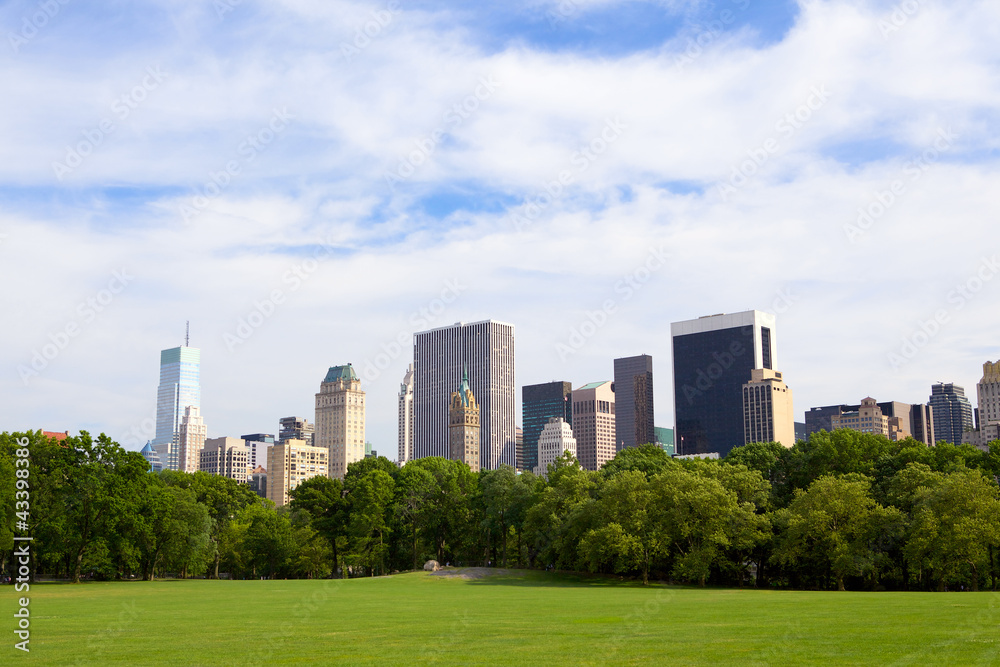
(497, 488)
(323, 499)
(647, 459)
(832, 525)
(370, 500)
(414, 489)
(954, 525)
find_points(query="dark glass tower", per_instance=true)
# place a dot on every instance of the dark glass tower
(539, 402)
(713, 357)
(634, 401)
(952, 412)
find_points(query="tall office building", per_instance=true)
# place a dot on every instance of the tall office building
(227, 457)
(914, 419)
(463, 426)
(191, 439)
(519, 449)
(296, 428)
(257, 444)
(289, 464)
(539, 403)
(405, 417)
(594, 424)
(988, 393)
(555, 440)
(767, 409)
(634, 401)
(440, 355)
(180, 386)
(713, 357)
(340, 418)
(952, 412)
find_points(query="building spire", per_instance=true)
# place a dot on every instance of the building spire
(187, 334)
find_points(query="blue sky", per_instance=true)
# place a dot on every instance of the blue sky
(829, 160)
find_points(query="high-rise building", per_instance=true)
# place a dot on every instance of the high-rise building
(634, 401)
(952, 412)
(340, 418)
(257, 444)
(767, 409)
(191, 439)
(913, 419)
(988, 393)
(289, 464)
(226, 457)
(440, 355)
(713, 357)
(594, 424)
(405, 417)
(463, 426)
(180, 386)
(555, 439)
(296, 428)
(539, 403)
(821, 418)
(922, 423)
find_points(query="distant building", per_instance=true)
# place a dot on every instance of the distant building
(665, 439)
(987, 426)
(257, 480)
(58, 436)
(708, 456)
(633, 401)
(340, 418)
(539, 403)
(555, 440)
(154, 459)
(180, 386)
(291, 463)
(712, 358)
(767, 409)
(486, 349)
(296, 428)
(258, 443)
(952, 412)
(519, 448)
(594, 424)
(915, 420)
(405, 417)
(464, 425)
(226, 457)
(191, 439)
(801, 432)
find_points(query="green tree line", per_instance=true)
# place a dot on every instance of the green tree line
(842, 510)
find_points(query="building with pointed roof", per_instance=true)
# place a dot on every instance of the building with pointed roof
(340, 418)
(463, 425)
(150, 455)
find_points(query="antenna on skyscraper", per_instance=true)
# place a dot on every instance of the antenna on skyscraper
(187, 334)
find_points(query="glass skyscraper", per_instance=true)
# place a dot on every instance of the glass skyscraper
(180, 386)
(634, 401)
(713, 357)
(540, 402)
(952, 412)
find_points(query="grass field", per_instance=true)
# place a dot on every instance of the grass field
(519, 619)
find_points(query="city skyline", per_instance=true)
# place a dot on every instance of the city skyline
(590, 176)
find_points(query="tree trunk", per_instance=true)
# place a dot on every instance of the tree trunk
(218, 557)
(840, 583)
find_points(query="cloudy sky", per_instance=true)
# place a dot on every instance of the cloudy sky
(311, 181)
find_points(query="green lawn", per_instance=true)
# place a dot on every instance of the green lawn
(522, 619)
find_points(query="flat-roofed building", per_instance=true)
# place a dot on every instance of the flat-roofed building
(594, 424)
(291, 463)
(226, 457)
(767, 409)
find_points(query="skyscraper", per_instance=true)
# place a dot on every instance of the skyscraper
(713, 357)
(634, 401)
(340, 418)
(767, 409)
(180, 386)
(191, 439)
(439, 355)
(463, 426)
(594, 424)
(539, 403)
(988, 393)
(405, 417)
(952, 412)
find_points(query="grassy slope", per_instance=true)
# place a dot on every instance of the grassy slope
(526, 619)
